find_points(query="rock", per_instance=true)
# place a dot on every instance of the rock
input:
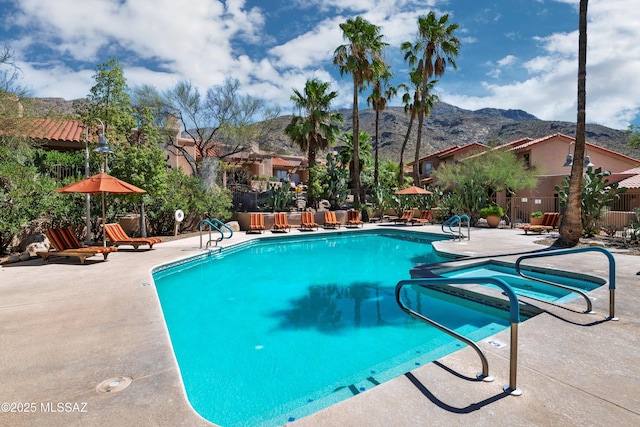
(34, 243)
(235, 226)
(24, 256)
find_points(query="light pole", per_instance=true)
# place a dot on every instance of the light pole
(102, 141)
(587, 160)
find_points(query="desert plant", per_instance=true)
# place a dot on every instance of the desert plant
(491, 210)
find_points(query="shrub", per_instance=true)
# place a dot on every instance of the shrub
(491, 210)
(536, 214)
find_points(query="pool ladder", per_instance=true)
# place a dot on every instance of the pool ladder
(514, 307)
(452, 222)
(514, 320)
(215, 224)
(612, 275)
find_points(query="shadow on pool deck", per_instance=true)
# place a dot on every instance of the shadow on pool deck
(67, 328)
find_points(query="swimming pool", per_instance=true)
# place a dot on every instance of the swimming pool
(524, 286)
(279, 328)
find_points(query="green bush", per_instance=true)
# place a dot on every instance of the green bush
(536, 214)
(491, 210)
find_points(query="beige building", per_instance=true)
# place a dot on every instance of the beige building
(550, 156)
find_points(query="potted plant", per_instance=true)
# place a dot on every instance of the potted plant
(493, 214)
(535, 218)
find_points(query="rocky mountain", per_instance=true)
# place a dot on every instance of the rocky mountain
(447, 126)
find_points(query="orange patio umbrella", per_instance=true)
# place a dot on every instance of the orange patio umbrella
(100, 184)
(412, 190)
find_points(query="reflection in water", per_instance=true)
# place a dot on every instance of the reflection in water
(332, 308)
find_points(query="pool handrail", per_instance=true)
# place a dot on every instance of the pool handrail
(452, 221)
(211, 225)
(514, 319)
(612, 271)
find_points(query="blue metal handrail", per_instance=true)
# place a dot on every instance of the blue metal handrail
(612, 270)
(514, 319)
(452, 221)
(211, 225)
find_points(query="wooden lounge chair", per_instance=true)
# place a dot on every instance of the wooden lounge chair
(330, 220)
(280, 222)
(353, 219)
(425, 216)
(407, 215)
(549, 222)
(256, 223)
(65, 243)
(116, 235)
(307, 222)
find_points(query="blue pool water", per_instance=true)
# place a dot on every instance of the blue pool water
(527, 287)
(275, 330)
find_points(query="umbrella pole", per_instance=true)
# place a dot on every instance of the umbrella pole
(104, 236)
(88, 220)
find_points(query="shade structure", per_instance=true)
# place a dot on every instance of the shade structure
(100, 184)
(412, 190)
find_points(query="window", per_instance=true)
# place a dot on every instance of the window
(427, 169)
(527, 160)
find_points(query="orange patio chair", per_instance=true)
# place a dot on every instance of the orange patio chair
(425, 216)
(65, 243)
(116, 234)
(280, 222)
(330, 220)
(256, 223)
(353, 219)
(407, 215)
(307, 222)
(549, 220)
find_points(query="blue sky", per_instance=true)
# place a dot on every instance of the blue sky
(515, 53)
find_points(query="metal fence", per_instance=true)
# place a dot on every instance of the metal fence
(620, 214)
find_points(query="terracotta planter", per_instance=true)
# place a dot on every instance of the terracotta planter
(535, 220)
(493, 221)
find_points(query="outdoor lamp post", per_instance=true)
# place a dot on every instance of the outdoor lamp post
(587, 159)
(103, 143)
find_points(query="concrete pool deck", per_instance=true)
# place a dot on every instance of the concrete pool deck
(68, 331)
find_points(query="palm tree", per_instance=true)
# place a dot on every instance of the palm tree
(571, 224)
(382, 91)
(318, 127)
(362, 58)
(439, 46)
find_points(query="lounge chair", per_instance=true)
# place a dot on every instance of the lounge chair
(407, 215)
(425, 216)
(65, 243)
(118, 237)
(330, 220)
(280, 222)
(549, 222)
(307, 222)
(256, 223)
(353, 219)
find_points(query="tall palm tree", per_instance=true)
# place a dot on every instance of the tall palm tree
(362, 58)
(317, 127)
(439, 47)
(381, 92)
(571, 224)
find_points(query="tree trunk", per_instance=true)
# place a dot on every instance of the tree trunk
(404, 145)
(416, 164)
(355, 154)
(375, 166)
(571, 225)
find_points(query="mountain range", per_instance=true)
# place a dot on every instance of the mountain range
(447, 126)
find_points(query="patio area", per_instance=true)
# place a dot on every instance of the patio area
(87, 345)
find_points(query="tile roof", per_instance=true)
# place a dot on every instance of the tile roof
(53, 129)
(633, 181)
(280, 162)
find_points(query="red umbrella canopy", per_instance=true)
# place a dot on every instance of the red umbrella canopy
(101, 183)
(413, 190)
